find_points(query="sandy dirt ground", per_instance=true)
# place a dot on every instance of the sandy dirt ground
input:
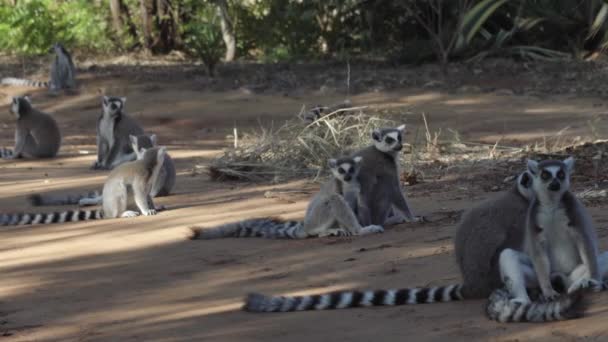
(141, 280)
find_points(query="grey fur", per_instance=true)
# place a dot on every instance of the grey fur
(113, 129)
(166, 179)
(560, 236)
(379, 178)
(63, 73)
(37, 134)
(334, 205)
(141, 143)
(138, 175)
(484, 231)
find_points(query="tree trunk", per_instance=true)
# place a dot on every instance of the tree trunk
(227, 30)
(147, 11)
(115, 9)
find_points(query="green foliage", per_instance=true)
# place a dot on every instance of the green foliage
(32, 26)
(203, 38)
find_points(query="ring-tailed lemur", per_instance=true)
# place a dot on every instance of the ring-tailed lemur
(37, 134)
(381, 192)
(63, 72)
(560, 237)
(138, 175)
(485, 230)
(334, 205)
(113, 129)
(141, 143)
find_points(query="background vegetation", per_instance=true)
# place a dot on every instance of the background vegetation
(403, 31)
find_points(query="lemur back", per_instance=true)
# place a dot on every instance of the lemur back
(37, 134)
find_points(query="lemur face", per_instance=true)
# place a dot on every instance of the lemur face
(551, 177)
(389, 139)
(345, 169)
(18, 104)
(113, 106)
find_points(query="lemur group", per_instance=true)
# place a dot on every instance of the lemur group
(531, 251)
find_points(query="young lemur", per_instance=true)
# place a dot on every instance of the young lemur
(162, 186)
(334, 205)
(559, 238)
(113, 129)
(139, 176)
(37, 134)
(483, 233)
(381, 193)
(63, 72)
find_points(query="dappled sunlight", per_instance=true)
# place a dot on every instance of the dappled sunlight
(467, 101)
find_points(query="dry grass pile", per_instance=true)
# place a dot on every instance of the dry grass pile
(296, 149)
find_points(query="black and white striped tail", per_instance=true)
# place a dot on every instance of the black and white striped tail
(20, 219)
(42, 199)
(256, 302)
(269, 228)
(6, 153)
(24, 82)
(500, 308)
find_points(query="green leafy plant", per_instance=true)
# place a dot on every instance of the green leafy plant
(203, 39)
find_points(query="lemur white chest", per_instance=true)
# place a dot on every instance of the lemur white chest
(557, 238)
(106, 128)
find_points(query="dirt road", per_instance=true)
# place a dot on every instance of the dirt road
(141, 280)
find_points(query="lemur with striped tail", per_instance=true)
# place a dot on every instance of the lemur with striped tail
(331, 212)
(138, 175)
(162, 186)
(63, 73)
(484, 232)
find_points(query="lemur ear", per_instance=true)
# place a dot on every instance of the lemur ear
(401, 128)
(533, 166)
(27, 98)
(153, 139)
(569, 162)
(332, 163)
(524, 179)
(133, 139)
(358, 159)
(376, 135)
(123, 100)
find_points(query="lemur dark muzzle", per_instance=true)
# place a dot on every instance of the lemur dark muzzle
(347, 178)
(554, 186)
(398, 147)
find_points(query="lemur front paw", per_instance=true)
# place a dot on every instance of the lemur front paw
(549, 295)
(372, 229)
(585, 283)
(149, 212)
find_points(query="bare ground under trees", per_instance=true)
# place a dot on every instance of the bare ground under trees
(139, 279)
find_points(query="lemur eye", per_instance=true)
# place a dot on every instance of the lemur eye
(389, 140)
(545, 175)
(341, 171)
(113, 106)
(561, 174)
(351, 170)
